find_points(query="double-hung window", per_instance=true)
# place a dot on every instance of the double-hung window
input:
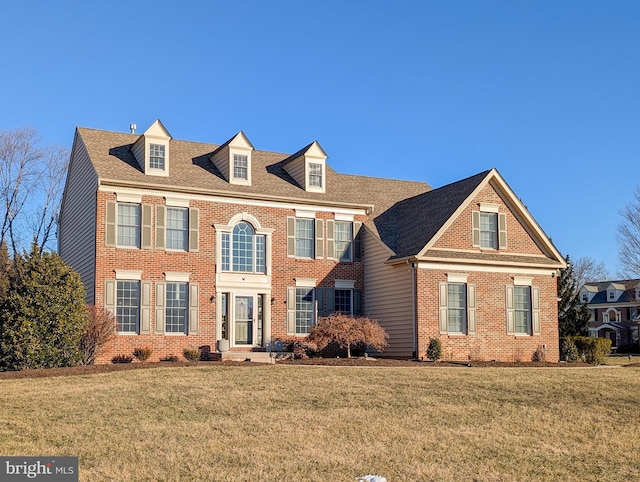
(240, 166)
(304, 238)
(128, 225)
(128, 306)
(522, 309)
(176, 308)
(315, 175)
(343, 240)
(156, 156)
(456, 307)
(489, 230)
(457, 301)
(305, 310)
(242, 250)
(177, 228)
(343, 301)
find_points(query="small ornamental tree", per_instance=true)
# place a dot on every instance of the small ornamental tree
(99, 330)
(43, 315)
(346, 330)
(434, 351)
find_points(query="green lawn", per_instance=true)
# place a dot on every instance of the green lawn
(293, 423)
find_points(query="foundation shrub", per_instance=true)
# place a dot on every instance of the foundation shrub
(169, 358)
(142, 354)
(434, 351)
(591, 350)
(192, 354)
(348, 331)
(122, 359)
(99, 330)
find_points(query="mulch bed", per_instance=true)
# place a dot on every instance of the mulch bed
(351, 362)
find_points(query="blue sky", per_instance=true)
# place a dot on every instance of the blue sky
(548, 92)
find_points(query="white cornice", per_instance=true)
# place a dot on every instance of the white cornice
(227, 198)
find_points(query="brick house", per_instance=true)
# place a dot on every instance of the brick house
(615, 311)
(230, 247)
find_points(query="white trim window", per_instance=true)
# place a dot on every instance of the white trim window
(522, 309)
(243, 251)
(241, 166)
(343, 240)
(489, 230)
(129, 223)
(176, 308)
(305, 310)
(343, 301)
(456, 308)
(457, 301)
(305, 238)
(157, 156)
(178, 228)
(315, 174)
(128, 306)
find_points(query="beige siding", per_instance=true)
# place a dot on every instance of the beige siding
(138, 152)
(389, 296)
(77, 228)
(221, 161)
(296, 171)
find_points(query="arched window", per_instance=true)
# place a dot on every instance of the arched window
(243, 251)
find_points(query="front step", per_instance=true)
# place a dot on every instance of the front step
(253, 356)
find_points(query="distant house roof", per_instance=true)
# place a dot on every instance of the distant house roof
(628, 288)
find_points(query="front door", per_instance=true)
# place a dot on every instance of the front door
(244, 320)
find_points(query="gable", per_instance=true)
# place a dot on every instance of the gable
(458, 235)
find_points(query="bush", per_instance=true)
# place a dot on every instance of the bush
(99, 330)
(346, 330)
(569, 351)
(434, 352)
(299, 348)
(591, 350)
(539, 355)
(169, 358)
(143, 354)
(43, 316)
(122, 359)
(192, 354)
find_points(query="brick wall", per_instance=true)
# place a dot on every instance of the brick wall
(202, 266)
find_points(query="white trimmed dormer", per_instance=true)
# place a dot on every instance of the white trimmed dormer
(587, 293)
(233, 159)
(308, 168)
(151, 150)
(614, 291)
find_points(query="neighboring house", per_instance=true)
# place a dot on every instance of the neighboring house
(615, 310)
(194, 244)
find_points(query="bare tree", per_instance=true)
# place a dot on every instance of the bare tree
(31, 183)
(628, 236)
(587, 270)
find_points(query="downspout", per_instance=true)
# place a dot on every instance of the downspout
(414, 274)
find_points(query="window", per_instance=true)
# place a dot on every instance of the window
(156, 156)
(343, 240)
(177, 228)
(128, 306)
(612, 295)
(240, 166)
(456, 307)
(315, 175)
(242, 250)
(343, 301)
(489, 230)
(305, 307)
(304, 238)
(176, 308)
(585, 298)
(129, 225)
(522, 309)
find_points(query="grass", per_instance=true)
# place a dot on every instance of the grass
(622, 359)
(290, 423)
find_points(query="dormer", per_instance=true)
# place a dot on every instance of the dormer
(233, 159)
(308, 168)
(587, 293)
(638, 292)
(614, 291)
(151, 150)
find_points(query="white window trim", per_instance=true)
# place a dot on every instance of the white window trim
(522, 281)
(176, 202)
(457, 277)
(305, 214)
(175, 277)
(343, 217)
(306, 283)
(489, 208)
(128, 274)
(128, 198)
(344, 284)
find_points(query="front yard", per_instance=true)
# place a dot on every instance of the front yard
(279, 423)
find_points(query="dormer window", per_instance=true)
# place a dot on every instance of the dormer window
(240, 166)
(612, 295)
(585, 298)
(315, 175)
(156, 156)
(151, 150)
